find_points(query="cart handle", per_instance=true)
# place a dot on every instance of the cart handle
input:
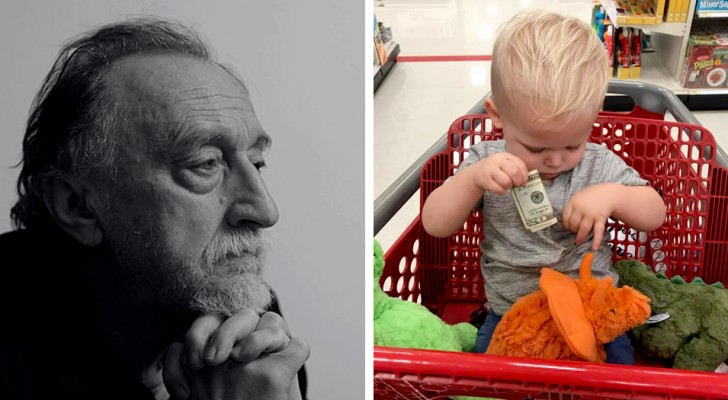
(647, 96)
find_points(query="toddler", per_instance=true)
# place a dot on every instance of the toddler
(548, 81)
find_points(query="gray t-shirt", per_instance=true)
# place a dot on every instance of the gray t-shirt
(513, 256)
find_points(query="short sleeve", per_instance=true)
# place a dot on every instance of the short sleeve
(615, 170)
(476, 153)
(480, 151)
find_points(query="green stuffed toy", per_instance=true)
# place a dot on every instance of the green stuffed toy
(695, 336)
(400, 323)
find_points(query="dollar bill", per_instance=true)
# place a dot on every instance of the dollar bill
(533, 205)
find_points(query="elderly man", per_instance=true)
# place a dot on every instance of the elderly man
(135, 271)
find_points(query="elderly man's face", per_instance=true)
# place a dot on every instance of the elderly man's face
(187, 213)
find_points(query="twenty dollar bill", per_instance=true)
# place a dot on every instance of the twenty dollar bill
(532, 203)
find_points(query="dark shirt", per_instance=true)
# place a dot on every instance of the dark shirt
(52, 343)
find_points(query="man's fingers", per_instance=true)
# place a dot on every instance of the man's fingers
(294, 355)
(173, 373)
(231, 331)
(298, 352)
(197, 337)
(271, 320)
(294, 392)
(259, 342)
(271, 334)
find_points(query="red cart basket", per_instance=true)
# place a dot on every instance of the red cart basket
(681, 160)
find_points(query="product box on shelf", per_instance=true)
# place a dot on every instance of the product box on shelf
(670, 12)
(605, 32)
(711, 6)
(600, 20)
(622, 45)
(379, 44)
(677, 10)
(706, 61)
(635, 53)
(635, 12)
(658, 6)
(684, 11)
(609, 45)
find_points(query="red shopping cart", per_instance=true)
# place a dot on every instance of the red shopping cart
(680, 159)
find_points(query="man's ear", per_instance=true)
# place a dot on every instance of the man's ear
(69, 204)
(492, 112)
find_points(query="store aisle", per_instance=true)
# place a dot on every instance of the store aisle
(420, 98)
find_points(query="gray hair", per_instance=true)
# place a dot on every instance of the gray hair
(74, 118)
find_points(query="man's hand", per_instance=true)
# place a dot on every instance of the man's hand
(243, 357)
(588, 211)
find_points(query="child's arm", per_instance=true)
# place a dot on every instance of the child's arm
(640, 207)
(448, 206)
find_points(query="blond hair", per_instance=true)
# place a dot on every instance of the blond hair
(552, 63)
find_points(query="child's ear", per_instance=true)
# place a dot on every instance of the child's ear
(70, 205)
(492, 112)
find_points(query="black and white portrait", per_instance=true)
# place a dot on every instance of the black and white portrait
(182, 212)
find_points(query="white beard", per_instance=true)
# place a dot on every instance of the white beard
(218, 295)
(160, 280)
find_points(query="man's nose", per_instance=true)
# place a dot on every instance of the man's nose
(252, 203)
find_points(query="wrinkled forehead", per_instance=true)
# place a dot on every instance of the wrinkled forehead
(162, 95)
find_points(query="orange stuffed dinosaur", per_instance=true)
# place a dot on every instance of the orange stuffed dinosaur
(569, 319)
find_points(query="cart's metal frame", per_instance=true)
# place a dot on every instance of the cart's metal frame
(649, 97)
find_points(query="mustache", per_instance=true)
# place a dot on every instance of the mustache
(250, 241)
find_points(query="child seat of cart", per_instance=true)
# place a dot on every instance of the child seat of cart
(681, 160)
(677, 159)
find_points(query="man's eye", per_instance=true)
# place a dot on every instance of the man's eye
(259, 165)
(207, 167)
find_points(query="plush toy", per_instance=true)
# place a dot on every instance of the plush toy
(695, 336)
(400, 323)
(569, 319)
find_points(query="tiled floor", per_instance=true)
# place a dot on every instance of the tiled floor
(418, 100)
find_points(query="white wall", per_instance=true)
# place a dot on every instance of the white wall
(303, 63)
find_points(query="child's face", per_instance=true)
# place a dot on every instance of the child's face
(550, 146)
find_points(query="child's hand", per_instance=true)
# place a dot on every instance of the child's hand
(448, 206)
(499, 172)
(588, 211)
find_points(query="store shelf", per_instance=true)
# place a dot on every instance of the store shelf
(666, 65)
(381, 72)
(668, 28)
(708, 91)
(389, 48)
(610, 6)
(650, 24)
(656, 72)
(712, 14)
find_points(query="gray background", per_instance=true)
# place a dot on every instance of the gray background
(303, 62)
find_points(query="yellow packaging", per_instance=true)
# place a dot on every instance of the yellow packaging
(659, 10)
(670, 11)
